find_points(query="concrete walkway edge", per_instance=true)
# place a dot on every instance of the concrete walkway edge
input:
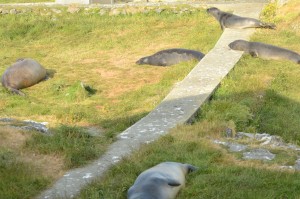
(178, 107)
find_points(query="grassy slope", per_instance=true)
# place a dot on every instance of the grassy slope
(100, 51)
(258, 96)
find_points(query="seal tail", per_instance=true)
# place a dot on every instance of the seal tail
(267, 25)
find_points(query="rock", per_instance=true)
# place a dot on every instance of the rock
(13, 11)
(102, 12)
(269, 139)
(229, 133)
(234, 147)
(159, 10)
(4, 12)
(26, 125)
(56, 11)
(73, 9)
(258, 154)
(132, 10)
(240, 135)
(114, 12)
(297, 165)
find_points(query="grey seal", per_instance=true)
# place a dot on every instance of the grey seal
(162, 181)
(228, 20)
(265, 51)
(170, 57)
(22, 74)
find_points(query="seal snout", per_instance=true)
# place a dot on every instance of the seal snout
(212, 9)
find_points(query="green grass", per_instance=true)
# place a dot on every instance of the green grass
(99, 51)
(18, 179)
(219, 175)
(257, 96)
(74, 143)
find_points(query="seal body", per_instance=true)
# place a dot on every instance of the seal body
(22, 74)
(170, 57)
(265, 51)
(228, 20)
(162, 181)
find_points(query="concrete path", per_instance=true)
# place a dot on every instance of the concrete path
(178, 107)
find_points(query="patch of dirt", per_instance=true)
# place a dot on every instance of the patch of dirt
(14, 140)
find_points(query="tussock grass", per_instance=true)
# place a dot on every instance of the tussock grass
(258, 96)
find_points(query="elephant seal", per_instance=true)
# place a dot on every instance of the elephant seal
(228, 20)
(265, 51)
(162, 181)
(22, 74)
(170, 57)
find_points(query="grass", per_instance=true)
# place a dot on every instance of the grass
(19, 179)
(99, 51)
(258, 96)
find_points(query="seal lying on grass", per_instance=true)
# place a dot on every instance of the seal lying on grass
(170, 57)
(228, 20)
(22, 74)
(162, 181)
(265, 51)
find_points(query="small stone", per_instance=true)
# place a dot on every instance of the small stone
(229, 133)
(114, 12)
(159, 10)
(240, 135)
(56, 11)
(297, 165)
(73, 9)
(13, 11)
(4, 12)
(235, 147)
(102, 12)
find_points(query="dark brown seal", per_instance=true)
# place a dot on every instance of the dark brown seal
(22, 74)
(170, 57)
(265, 51)
(228, 20)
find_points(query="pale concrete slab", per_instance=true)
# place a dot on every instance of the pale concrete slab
(179, 106)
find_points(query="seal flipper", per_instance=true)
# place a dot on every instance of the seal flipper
(191, 168)
(15, 91)
(173, 183)
(267, 25)
(253, 53)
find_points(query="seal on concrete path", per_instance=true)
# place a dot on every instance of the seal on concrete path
(162, 181)
(22, 74)
(228, 20)
(265, 51)
(170, 57)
